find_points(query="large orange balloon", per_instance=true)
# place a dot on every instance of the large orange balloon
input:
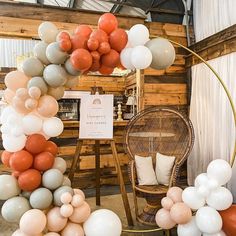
(100, 35)
(229, 220)
(5, 158)
(51, 147)
(92, 44)
(111, 59)
(78, 41)
(47, 106)
(104, 70)
(21, 161)
(36, 143)
(107, 22)
(84, 30)
(118, 39)
(104, 48)
(43, 161)
(81, 59)
(29, 180)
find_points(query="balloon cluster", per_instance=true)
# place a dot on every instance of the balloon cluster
(206, 198)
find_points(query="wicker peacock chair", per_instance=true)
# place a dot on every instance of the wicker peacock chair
(155, 130)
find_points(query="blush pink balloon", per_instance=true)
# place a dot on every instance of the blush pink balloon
(18, 232)
(34, 92)
(31, 104)
(66, 198)
(72, 229)
(77, 200)
(181, 213)
(52, 234)
(175, 194)
(8, 95)
(66, 210)
(47, 106)
(164, 220)
(80, 192)
(80, 214)
(22, 93)
(15, 80)
(55, 221)
(19, 105)
(167, 203)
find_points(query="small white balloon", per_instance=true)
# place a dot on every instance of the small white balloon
(141, 57)
(201, 179)
(138, 35)
(220, 233)
(208, 220)
(203, 191)
(47, 32)
(125, 58)
(53, 127)
(189, 229)
(32, 124)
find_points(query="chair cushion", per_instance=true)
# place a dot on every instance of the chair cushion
(145, 171)
(164, 165)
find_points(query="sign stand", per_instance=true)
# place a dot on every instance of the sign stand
(75, 166)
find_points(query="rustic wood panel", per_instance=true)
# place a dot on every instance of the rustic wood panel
(165, 88)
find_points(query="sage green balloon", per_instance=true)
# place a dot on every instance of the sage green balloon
(57, 92)
(32, 67)
(54, 54)
(41, 198)
(52, 179)
(14, 208)
(40, 52)
(39, 83)
(70, 69)
(55, 75)
(57, 194)
(25, 194)
(163, 53)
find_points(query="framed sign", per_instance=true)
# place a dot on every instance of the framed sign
(96, 117)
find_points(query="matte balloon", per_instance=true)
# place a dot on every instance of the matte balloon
(107, 22)
(21, 161)
(22, 93)
(14, 144)
(219, 170)
(220, 233)
(8, 187)
(189, 229)
(39, 83)
(175, 194)
(201, 179)
(80, 192)
(8, 95)
(25, 194)
(138, 35)
(14, 208)
(167, 203)
(19, 105)
(5, 157)
(66, 210)
(208, 214)
(203, 191)
(41, 198)
(47, 106)
(104, 48)
(104, 70)
(70, 69)
(95, 55)
(125, 58)
(141, 57)
(78, 41)
(52, 234)
(95, 66)
(59, 164)
(63, 35)
(81, 214)
(66, 198)
(52, 179)
(59, 192)
(103, 222)
(55, 221)
(32, 124)
(53, 127)
(118, 39)
(163, 53)
(77, 200)
(43, 161)
(181, 213)
(65, 45)
(55, 75)
(31, 104)
(54, 53)
(18, 232)
(40, 52)
(72, 229)
(84, 30)
(229, 220)
(32, 67)
(111, 59)
(66, 181)
(51, 147)
(100, 35)
(36, 143)
(33, 222)
(47, 32)
(92, 44)
(81, 59)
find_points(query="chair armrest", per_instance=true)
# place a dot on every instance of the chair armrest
(132, 172)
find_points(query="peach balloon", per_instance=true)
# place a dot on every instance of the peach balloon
(80, 214)
(77, 200)
(73, 229)
(22, 93)
(52, 234)
(66, 210)
(55, 221)
(8, 95)
(164, 220)
(19, 105)
(34, 92)
(167, 203)
(18, 232)
(175, 194)
(66, 198)
(31, 104)
(181, 213)
(15, 80)
(80, 192)
(47, 106)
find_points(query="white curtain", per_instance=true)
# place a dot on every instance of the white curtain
(210, 110)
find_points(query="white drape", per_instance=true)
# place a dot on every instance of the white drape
(210, 110)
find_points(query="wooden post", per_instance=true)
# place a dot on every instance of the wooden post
(140, 90)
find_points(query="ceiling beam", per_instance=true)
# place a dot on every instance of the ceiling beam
(167, 11)
(116, 7)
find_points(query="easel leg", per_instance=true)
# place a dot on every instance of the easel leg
(97, 160)
(122, 185)
(75, 161)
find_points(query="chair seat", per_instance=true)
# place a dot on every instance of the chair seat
(152, 189)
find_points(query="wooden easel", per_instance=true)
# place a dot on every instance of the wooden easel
(75, 165)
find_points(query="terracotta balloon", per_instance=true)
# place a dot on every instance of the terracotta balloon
(107, 22)
(5, 158)
(118, 39)
(63, 35)
(55, 222)
(95, 66)
(100, 35)
(51, 147)
(80, 214)
(175, 194)
(92, 44)
(43, 161)
(111, 59)
(104, 70)
(65, 45)
(229, 220)
(21, 161)
(104, 48)
(47, 106)
(72, 229)
(81, 59)
(29, 180)
(84, 30)
(16, 174)
(164, 220)
(181, 213)
(15, 80)
(167, 203)
(8, 95)
(36, 143)
(95, 55)
(78, 41)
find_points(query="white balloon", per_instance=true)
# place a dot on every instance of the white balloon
(189, 229)
(141, 57)
(203, 191)
(213, 184)
(17, 131)
(5, 128)
(103, 222)
(220, 199)
(220, 233)
(138, 35)
(32, 124)
(8, 187)
(6, 112)
(60, 164)
(47, 32)
(14, 144)
(40, 52)
(192, 198)
(219, 170)
(125, 58)
(208, 220)
(201, 179)
(53, 127)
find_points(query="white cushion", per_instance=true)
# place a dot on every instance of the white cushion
(164, 165)
(145, 171)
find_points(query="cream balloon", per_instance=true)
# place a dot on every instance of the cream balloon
(47, 32)
(40, 52)
(54, 54)
(15, 80)
(8, 95)
(32, 67)
(138, 35)
(47, 107)
(18, 232)
(8, 187)
(53, 127)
